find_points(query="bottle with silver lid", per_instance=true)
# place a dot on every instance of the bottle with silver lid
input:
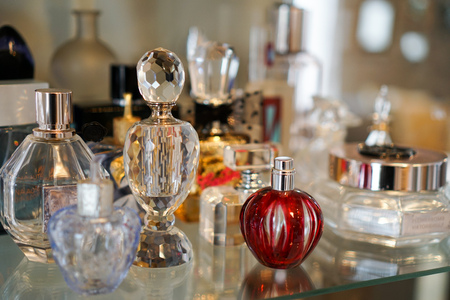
(41, 175)
(94, 243)
(381, 193)
(281, 224)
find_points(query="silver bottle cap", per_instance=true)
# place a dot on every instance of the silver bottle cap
(420, 171)
(53, 113)
(289, 28)
(283, 174)
(95, 195)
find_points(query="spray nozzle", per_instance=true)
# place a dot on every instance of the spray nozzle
(95, 168)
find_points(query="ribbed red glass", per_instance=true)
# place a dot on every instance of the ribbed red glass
(281, 228)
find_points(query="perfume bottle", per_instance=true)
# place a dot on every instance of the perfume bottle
(94, 243)
(83, 62)
(281, 224)
(383, 194)
(122, 124)
(41, 175)
(289, 81)
(220, 206)
(161, 159)
(213, 68)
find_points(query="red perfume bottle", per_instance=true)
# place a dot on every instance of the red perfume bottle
(281, 224)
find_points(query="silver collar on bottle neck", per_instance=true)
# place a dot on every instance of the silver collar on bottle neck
(283, 174)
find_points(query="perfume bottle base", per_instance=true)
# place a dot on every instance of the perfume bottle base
(163, 249)
(42, 255)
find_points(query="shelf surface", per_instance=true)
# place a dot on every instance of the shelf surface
(232, 272)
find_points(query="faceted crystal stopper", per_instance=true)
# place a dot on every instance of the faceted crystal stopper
(213, 69)
(160, 76)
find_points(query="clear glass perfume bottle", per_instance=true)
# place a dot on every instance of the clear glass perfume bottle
(41, 175)
(281, 224)
(94, 243)
(290, 79)
(213, 68)
(383, 194)
(161, 159)
(220, 206)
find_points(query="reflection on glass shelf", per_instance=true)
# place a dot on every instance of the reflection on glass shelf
(232, 272)
(263, 283)
(162, 283)
(343, 261)
(223, 268)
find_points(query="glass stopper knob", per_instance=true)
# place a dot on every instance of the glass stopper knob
(160, 76)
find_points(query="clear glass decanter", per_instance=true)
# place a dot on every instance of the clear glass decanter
(220, 206)
(94, 243)
(41, 175)
(161, 159)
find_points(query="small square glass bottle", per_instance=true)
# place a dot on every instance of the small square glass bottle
(220, 206)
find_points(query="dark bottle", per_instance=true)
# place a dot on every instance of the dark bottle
(16, 61)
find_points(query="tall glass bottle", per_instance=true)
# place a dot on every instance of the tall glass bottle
(292, 78)
(41, 175)
(161, 159)
(83, 62)
(213, 68)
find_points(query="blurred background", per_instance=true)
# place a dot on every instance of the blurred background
(361, 44)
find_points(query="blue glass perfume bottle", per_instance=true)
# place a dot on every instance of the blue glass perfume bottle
(94, 243)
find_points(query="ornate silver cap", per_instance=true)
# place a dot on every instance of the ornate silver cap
(283, 174)
(289, 28)
(53, 113)
(160, 76)
(420, 170)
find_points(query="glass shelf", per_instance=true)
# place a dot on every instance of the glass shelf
(232, 272)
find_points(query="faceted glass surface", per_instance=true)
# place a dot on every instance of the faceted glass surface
(160, 163)
(94, 254)
(213, 69)
(160, 76)
(281, 228)
(161, 249)
(40, 178)
(389, 218)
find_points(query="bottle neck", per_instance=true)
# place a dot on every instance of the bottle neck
(282, 180)
(86, 24)
(162, 111)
